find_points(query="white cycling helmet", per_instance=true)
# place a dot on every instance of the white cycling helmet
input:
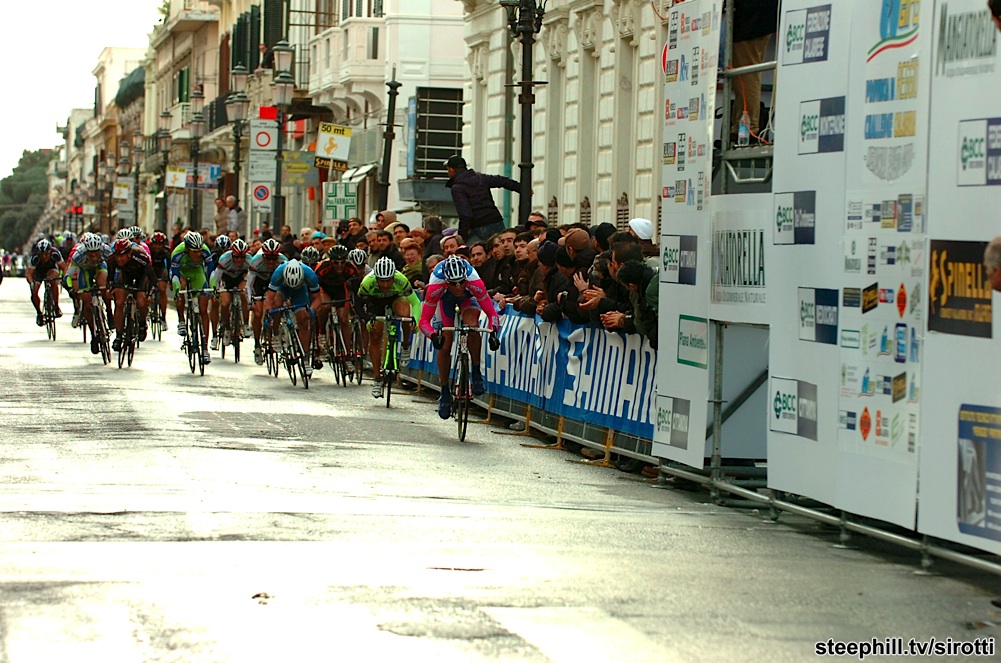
(357, 257)
(384, 268)
(93, 243)
(454, 269)
(293, 274)
(124, 233)
(193, 240)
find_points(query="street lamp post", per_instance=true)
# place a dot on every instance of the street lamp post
(138, 148)
(237, 107)
(281, 95)
(196, 126)
(387, 142)
(524, 18)
(164, 140)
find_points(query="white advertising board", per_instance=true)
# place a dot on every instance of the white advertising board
(960, 459)
(805, 238)
(741, 242)
(688, 63)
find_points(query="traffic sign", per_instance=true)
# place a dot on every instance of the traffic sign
(262, 166)
(177, 177)
(263, 135)
(262, 197)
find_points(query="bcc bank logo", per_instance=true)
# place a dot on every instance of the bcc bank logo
(898, 26)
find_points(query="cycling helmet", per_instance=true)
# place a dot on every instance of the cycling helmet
(339, 252)
(93, 243)
(158, 238)
(137, 232)
(105, 239)
(293, 274)
(357, 256)
(272, 247)
(223, 242)
(124, 233)
(142, 236)
(384, 268)
(43, 245)
(310, 255)
(122, 246)
(193, 241)
(239, 247)
(454, 269)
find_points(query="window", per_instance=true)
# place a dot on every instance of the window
(373, 44)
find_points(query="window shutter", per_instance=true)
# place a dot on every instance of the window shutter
(182, 86)
(377, 9)
(274, 21)
(345, 9)
(255, 38)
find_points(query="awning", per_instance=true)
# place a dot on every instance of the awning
(358, 174)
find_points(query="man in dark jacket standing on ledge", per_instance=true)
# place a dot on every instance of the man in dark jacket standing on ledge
(479, 217)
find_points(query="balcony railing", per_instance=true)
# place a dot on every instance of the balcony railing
(215, 113)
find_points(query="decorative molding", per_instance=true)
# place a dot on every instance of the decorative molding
(478, 59)
(556, 42)
(589, 30)
(625, 16)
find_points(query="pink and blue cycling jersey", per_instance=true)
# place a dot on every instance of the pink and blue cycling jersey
(437, 293)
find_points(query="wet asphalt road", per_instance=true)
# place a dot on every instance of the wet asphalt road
(147, 514)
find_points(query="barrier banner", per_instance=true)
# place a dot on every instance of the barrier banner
(741, 242)
(961, 394)
(580, 372)
(688, 60)
(804, 247)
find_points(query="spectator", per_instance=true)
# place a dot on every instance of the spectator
(479, 217)
(237, 215)
(433, 226)
(484, 262)
(524, 267)
(175, 235)
(413, 266)
(266, 231)
(221, 216)
(553, 283)
(343, 231)
(399, 230)
(233, 236)
(267, 58)
(643, 230)
(753, 26)
(286, 235)
(536, 223)
(384, 219)
(638, 277)
(606, 294)
(255, 245)
(568, 299)
(992, 255)
(451, 243)
(356, 233)
(578, 244)
(429, 264)
(382, 245)
(601, 234)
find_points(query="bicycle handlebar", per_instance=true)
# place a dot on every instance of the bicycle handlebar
(486, 330)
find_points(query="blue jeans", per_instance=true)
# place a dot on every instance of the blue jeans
(483, 233)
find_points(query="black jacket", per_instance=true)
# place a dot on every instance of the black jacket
(473, 202)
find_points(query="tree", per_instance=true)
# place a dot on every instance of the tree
(23, 196)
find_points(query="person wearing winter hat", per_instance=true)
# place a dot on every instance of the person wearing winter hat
(643, 230)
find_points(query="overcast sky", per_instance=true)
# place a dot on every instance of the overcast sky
(50, 49)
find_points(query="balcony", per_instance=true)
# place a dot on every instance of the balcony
(350, 55)
(193, 15)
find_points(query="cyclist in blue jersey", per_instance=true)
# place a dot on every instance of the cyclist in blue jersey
(298, 284)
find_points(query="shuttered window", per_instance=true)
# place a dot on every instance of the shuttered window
(274, 22)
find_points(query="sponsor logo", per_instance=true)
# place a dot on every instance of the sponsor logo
(979, 145)
(854, 217)
(795, 217)
(888, 255)
(886, 295)
(847, 420)
(865, 424)
(851, 338)
(899, 387)
(900, 345)
(967, 43)
(693, 108)
(898, 26)
(871, 256)
(794, 407)
(671, 71)
(870, 298)
(695, 65)
(959, 294)
(853, 260)
(672, 421)
(901, 300)
(885, 344)
(807, 34)
(822, 125)
(851, 297)
(679, 259)
(693, 341)
(670, 153)
(818, 315)
(680, 189)
(681, 152)
(739, 266)
(672, 31)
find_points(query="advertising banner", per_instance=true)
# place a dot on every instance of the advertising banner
(961, 393)
(333, 143)
(803, 245)
(741, 241)
(583, 373)
(688, 61)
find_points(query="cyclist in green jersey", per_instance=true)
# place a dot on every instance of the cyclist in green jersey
(382, 289)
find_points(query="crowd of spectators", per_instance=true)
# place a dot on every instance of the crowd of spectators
(588, 275)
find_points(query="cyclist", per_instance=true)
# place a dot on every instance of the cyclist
(310, 257)
(339, 280)
(131, 267)
(386, 288)
(231, 274)
(262, 266)
(189, 263)
(45, 262)
(297, 283)
(138, 238)
(454, 282)
(219, 247)
(159, 251)
(87, 269)
(359, 258)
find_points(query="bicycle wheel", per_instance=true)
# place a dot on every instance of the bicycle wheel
(341, 358)
(460, 397)
(287, 354)
(236, 329)
(387, 381)
(101, 332)
(357, 341)
(50, 316)
(300, 358)
(122, 348)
